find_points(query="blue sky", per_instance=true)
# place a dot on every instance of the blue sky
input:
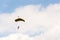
(7, 6)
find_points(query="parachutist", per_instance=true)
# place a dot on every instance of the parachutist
(18, 27)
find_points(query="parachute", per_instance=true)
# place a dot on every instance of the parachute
(19, 19)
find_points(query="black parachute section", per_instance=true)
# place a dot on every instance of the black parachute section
(19, 19)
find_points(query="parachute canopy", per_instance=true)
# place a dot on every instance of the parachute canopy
(19, 19)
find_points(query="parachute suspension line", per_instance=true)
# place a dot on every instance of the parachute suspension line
(18, 26)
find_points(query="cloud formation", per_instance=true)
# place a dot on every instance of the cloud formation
(41, 25)
(16, 36)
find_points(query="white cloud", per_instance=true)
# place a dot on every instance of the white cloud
(16, 36)
(44, 24)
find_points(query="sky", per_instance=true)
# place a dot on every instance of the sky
(42, 19)
(8, 6)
